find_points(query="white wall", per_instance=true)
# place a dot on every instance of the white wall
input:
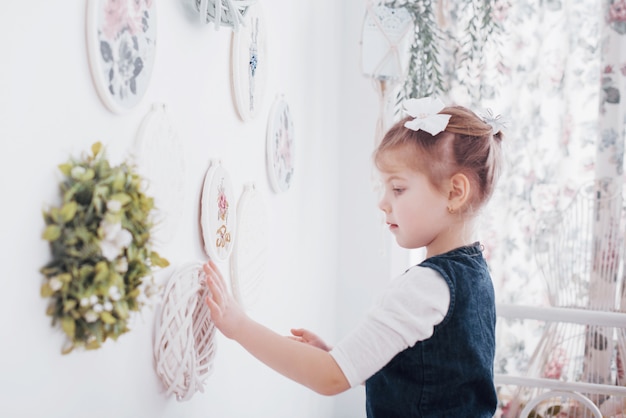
(325, 263)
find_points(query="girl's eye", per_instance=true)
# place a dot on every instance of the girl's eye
(397, 190)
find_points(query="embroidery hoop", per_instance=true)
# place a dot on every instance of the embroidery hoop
(184, 344)
(229, 13)
(249, 63)
(102, 73)
(218, 223)
(280, 146)
(159, 157)
(249, 256)
(383, 37)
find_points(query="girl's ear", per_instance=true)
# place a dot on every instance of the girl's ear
(459, 192)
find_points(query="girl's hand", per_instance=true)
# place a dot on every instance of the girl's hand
(307, 337)
(226, 313)
(308, 364)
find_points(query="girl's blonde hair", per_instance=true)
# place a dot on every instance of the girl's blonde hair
(468, 145)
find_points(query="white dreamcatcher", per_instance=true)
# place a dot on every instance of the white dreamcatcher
(159, 156)
(250, 252)
(384, 54)
(223, 12)
(184, 345)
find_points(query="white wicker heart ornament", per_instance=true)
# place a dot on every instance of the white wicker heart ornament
(184, 345)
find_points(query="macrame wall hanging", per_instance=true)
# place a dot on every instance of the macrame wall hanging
(217, 214)
(121, 44)
(384, 55)
(158, 154)
(184, 342)
(249, 255)
(249, 63)
(280, 146)
(228, 13)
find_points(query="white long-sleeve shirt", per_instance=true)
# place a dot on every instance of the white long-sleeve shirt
(404, 314)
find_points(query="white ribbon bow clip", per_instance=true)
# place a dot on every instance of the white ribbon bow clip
(497, 123)
(425, 111)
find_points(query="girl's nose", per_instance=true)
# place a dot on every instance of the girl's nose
(382, 205)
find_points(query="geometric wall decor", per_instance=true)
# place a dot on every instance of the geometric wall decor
(385, 42)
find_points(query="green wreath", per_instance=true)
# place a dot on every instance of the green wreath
(100, 243)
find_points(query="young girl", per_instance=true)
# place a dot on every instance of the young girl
(426, 348)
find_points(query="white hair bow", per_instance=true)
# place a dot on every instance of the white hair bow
(497, 123)
(426, 113)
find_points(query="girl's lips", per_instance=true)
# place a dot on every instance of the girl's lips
(392, 227)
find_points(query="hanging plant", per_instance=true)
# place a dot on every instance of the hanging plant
(100, 242)
(425, 75)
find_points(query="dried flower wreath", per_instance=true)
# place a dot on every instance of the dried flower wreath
(100, 243)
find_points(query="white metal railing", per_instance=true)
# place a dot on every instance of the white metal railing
(571, 315)
(555, 387)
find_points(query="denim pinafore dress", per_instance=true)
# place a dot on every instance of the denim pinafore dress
(451, 373)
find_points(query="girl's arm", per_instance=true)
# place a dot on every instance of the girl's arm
(304, 363)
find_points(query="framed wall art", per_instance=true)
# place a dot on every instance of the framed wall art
(249, 63)
(280, 146)
(249, 256)
(217, 212)
(159, 156)
(184, 342)
(121, 45)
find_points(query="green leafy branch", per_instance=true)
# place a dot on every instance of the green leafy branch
(425, 75)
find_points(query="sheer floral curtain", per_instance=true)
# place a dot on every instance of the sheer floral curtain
(557, 77)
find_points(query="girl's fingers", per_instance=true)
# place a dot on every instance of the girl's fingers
(217, 293)
(298, 332)
(213, 307)
(213, 273)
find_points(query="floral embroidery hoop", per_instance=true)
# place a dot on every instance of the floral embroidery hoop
(223, 12)
(280, 146)
(184, 343)
(217, 217)
(249, 63)
(121, 44)
(249, 255)
(159, 157)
